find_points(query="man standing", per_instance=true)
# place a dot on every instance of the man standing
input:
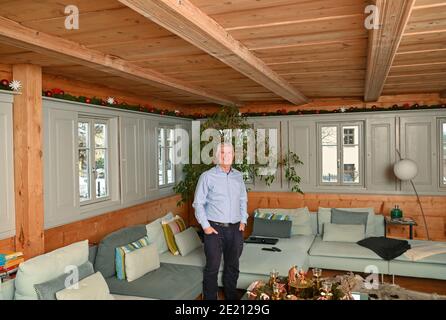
(221, 209)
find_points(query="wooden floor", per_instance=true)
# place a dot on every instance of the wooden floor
(416, 284)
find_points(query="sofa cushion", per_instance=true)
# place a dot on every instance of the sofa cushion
(343, 232)
(46, 267)
(122, 252)
(341, 249)
(47, 290)
(105, 257)
(301, 222)
(349, 217)
(254, 260)
(195, 258)
(434, 259)
(170, 228)
(156, 234)
(169, 282)
(272, 228)
(300, 217)
(93, 287)
(141, 261)
(324, 216)
(187, 241)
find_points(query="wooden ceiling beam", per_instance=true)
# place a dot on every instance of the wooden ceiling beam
(384, 43)
(17, 35)
(187, 21)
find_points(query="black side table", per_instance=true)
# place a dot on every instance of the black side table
(400, 222)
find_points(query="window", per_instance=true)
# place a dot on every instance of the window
(340, 154)
(166, 167)
(93, 160)
(443, 153)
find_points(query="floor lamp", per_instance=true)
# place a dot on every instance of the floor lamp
(406, 170)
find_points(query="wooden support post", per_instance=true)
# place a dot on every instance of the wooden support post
(28, 161)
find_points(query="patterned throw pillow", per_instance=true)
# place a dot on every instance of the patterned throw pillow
(170, 229)
(271, 216)
(120, 253)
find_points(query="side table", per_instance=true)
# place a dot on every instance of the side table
(400, 222)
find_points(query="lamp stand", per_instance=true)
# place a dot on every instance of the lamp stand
(422, 211)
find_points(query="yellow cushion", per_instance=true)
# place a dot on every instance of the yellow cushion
(170, 228)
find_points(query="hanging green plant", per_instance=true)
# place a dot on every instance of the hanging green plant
(230, 118)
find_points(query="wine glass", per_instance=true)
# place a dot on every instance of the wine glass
(317, 272)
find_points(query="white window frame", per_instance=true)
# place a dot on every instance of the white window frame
(340, 153)
(441, 122)
(92, 148)
(165, 155)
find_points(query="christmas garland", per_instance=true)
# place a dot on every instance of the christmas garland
(111, 102)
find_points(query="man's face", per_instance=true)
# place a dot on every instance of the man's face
(226, 156)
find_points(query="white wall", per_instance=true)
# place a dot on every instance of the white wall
(134, 169)
(415, 133)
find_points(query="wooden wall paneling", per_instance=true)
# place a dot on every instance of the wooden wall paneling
(28, 161)
(7, 244)
(433, 206)
(94, 229)
(7, 196)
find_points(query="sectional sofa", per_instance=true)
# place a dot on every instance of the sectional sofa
(180, 277)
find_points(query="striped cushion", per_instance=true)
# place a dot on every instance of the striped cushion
(271, 216)
(120, 253)
(171, 228)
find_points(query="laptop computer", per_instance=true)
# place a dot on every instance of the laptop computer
(261, 240)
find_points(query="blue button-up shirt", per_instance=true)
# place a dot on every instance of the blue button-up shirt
(220, 197)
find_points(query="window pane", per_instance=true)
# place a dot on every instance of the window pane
(329, 164)
(161, 156)
(351, 164)
(170, 137)
(83, 134)
(84, 177)
(351, 154)
(329, 136)
(100, 135)
(170, 166)
(101, 173)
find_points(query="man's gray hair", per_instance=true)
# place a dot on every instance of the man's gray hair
(218, 150)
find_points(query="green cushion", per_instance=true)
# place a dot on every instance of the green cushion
(105, 257)
(272, 228)
(169, 282)
(47, 290)
(349, 217)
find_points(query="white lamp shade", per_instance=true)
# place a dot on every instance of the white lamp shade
(405, 169)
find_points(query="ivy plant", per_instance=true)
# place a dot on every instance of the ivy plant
(231, 118)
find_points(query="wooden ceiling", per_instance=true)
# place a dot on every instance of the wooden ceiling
(319, 48)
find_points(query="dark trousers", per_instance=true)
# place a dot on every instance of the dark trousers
(229, 243)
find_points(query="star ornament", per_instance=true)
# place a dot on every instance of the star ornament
(110, 100)
(15, 85)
